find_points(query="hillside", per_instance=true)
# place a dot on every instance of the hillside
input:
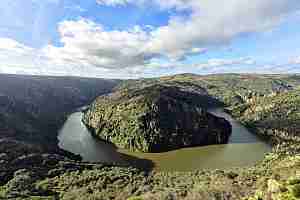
(156, 118)
(33, 108)
(231, 89)
(276, 117)
(268, 104)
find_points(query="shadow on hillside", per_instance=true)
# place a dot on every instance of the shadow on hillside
(105, 152)
(127, 160)
(139, 163)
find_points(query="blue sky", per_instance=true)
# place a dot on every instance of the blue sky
(129, 39)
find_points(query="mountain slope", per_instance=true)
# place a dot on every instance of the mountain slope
(33, 108)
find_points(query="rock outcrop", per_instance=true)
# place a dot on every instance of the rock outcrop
(156, 118)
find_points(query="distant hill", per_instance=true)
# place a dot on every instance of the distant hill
(230, 89)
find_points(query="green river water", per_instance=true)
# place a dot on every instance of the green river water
(244, 149)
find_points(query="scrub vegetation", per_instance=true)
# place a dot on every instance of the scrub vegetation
(266, 104)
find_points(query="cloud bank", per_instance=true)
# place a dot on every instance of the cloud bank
(209, 23)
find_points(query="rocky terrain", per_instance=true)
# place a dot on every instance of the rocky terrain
(156, 118)
(262, 102)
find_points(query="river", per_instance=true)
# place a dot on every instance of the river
(244, 149)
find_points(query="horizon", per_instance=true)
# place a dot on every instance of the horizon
(155, 77)
(126, 39)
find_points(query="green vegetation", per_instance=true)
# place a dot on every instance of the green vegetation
(268, 104)
(2, 192)
(284, 185)
(275, 117)
(231, 89)
(33, 108)
(274, 176)
(156, 118)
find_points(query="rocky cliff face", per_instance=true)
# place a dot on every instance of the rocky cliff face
(155, 118)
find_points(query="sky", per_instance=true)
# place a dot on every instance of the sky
(148, 38)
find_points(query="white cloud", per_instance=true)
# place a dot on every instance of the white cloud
(165, 4)
(88, 43)
(12, 45)
(211, 22)
(46, 1)
(295, 61)
(76, 8)
(17, 58)
(113, 2)
(217, 22)
(206, 26)
(212, 63)
(208, 65)
(88, 47)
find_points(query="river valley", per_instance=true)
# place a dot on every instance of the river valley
(244, 149)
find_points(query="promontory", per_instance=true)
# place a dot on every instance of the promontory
(156, 118)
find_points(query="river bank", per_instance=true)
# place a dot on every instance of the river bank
(244, 149)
